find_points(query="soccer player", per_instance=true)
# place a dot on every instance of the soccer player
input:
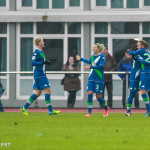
(144, 86)
(134, 80)
(40, 78)
(96, 78)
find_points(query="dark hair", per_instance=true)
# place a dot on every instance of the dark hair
(106, 47)
(67, 63)
(133, 47)
(144, 43)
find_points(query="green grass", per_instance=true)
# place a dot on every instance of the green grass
(73, 131)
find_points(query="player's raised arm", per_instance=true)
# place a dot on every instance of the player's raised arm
(84, 60)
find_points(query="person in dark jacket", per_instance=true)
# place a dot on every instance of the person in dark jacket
(110, 65)
(71, 81)
(125, 64)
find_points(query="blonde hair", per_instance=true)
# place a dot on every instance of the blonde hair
(100, 46)
(37, 40)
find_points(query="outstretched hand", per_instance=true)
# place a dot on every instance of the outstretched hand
(86, 67)
(47, 62)
(78, 57)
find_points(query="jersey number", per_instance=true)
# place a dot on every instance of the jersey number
(148, 55)
(97, 87)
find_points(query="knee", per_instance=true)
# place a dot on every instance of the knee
(98, 96)
(90, 92)
(38, 94)
(142, 92)
(47, 91)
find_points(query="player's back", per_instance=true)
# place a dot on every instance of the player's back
(135, 72)
(145, 54)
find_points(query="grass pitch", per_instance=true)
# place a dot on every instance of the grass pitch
(73, 131)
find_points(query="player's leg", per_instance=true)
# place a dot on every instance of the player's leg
(49, 102)
(129, 103)
(99, 86)
(32, 98)
(133, 90)
(103, 103)
(146, 101)
(90, 98)
(45, 86)
(136, 100)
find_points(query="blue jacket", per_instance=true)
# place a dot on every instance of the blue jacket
(124, 65)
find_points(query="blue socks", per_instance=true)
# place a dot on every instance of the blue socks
(90, 103)
(130, 100)
(48, 103)
(146, 101)
(103, 102)
(30, 101)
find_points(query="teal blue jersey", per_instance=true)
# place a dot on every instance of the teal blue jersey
(145, 55)
(97, 67)
(37, 61)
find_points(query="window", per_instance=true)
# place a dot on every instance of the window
(26, 54)
(58, 4)
(102, 41)
(120, 46)
(53, 48)
(43, 4)
(74, 3)
(74, 28)
(132, 3)
(116, 3)
(146, 27)
(27, 3)
(125, 28)
(101, 27)
(27, 28)
(2, 3)
(147, 40)
(3, 28)
(101, 2)
(146, 2)
(74, 46)
(3, 54)
(50, 28)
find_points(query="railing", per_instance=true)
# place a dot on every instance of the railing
(74, 72)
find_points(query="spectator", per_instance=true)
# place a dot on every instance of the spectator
(125, 64)
(110, 65)
(71, 82)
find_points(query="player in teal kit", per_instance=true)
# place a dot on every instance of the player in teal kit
(96, 78)
(40, 78)
(144, 56)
